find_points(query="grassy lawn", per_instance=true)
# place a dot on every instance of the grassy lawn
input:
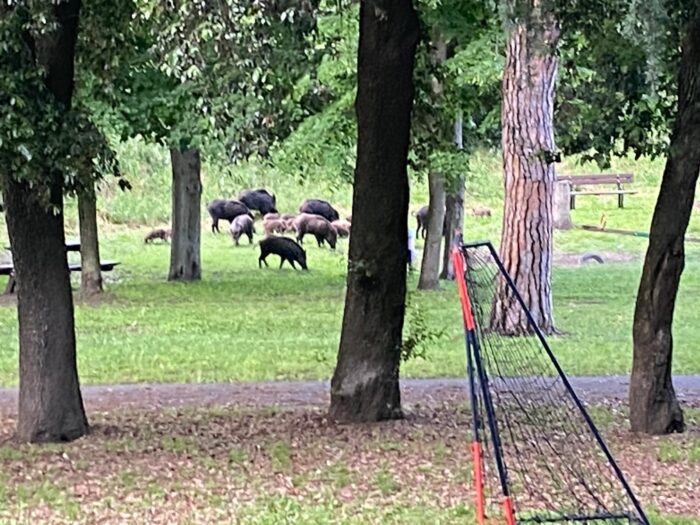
(241, 323)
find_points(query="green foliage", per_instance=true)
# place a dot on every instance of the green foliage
(322, 148)
(606, 104)
(43, 141)
(419, 333)
(234, 67)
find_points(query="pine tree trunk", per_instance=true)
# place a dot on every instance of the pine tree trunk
(91, 275)
(528, 156)
(50, 403)
(454, 222)
(365, 385)
(185, 263)
(654, 408)
(430, 266)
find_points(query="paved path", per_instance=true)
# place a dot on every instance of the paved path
(315, 393)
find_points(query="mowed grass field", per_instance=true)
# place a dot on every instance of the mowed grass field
(241, 323)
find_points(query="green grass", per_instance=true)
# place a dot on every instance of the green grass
(244, 324)
(241, 323)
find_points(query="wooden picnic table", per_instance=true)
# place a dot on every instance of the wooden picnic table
(72, 245)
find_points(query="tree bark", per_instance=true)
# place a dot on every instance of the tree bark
(528, 161)
(454, 210)
(185, 262)
(365, 385)
(90, 274)
(430, 266)
(654, 408)
(454, 222)
(50, 403)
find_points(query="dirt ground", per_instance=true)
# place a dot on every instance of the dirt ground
(218, 453)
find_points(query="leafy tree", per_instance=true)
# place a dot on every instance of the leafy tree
(204, 72)
(47, 143)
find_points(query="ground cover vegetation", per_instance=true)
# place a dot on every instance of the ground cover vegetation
(227, 464)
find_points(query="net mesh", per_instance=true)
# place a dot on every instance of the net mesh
(556, 470)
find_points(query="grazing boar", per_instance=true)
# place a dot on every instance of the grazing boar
(242, 224)
(158, 233)
(317, 226)
(319, 207)
(274, 226)
(286, 248)
(226, 210)
(259, 199)
(481, 211)
(422, 222)
(342, 227)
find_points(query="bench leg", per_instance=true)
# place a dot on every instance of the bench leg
(11, 285)
(620, 201)
(572, 202)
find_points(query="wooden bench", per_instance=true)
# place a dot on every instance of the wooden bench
(618, 179)
(9, 270)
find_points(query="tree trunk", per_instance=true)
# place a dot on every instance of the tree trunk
(365, 385)
(50, 403)
(562, 206)
(90, 275)
(185, 263)
(654, 408)
(430, 266)
(454, 222)
(454, 210)
(528, 157)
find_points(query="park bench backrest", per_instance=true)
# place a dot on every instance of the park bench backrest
(602, 178)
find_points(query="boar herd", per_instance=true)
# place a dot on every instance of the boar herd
(316, 217)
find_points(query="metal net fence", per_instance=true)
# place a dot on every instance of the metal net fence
(540, 451)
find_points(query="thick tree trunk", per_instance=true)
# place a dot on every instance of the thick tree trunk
(185, 263)
(430, 266)
(50, 403)
(528, 156)
(91, 275)
(654, 408)
(365, 385)
(454, 222)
